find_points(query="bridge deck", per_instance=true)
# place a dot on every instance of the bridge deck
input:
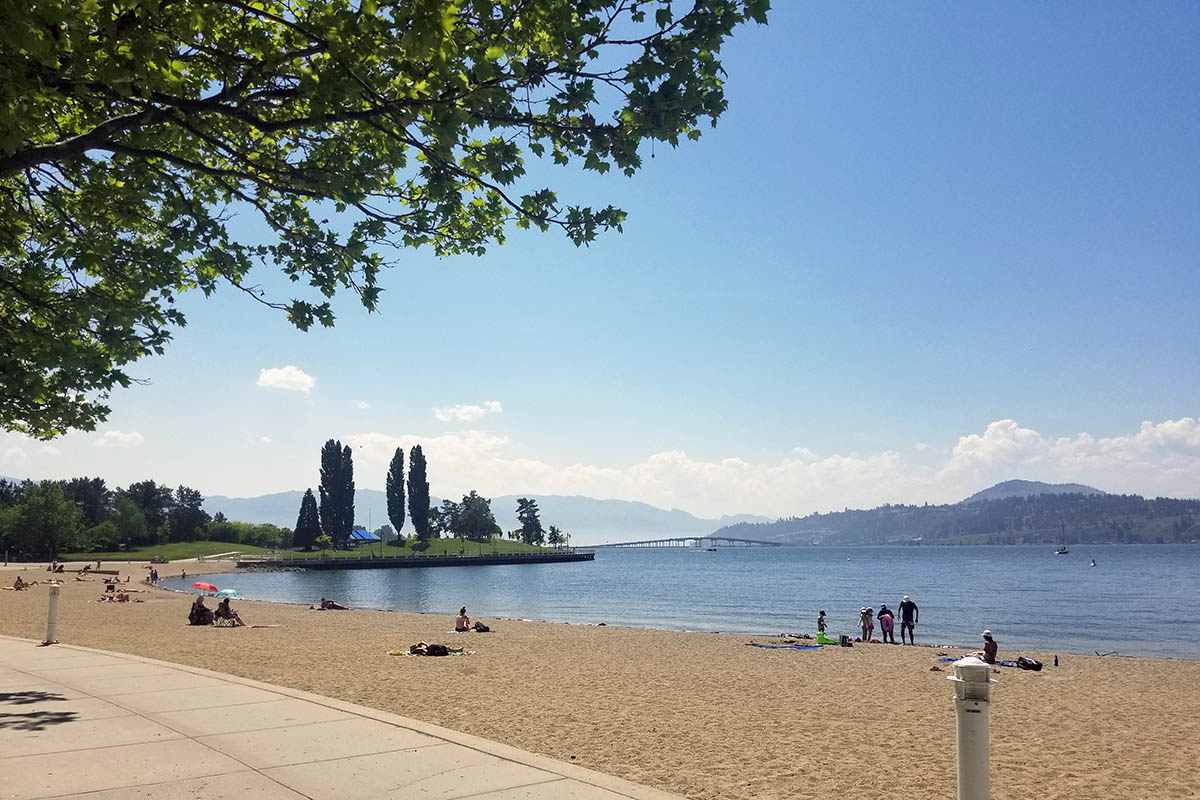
(695, 541)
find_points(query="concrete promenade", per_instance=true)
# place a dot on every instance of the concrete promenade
(78, 723)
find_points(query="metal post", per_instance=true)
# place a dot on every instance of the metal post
(972, 699)
(52, 616)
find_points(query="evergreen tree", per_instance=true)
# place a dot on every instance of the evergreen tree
(308, 523)
(531, 524)
(337, 492)
(187, 517)
(347, 520)
(418, 493)
(155, 501)
(395, 490)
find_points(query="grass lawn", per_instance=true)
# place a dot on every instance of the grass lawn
(170, 551)
(177, 550)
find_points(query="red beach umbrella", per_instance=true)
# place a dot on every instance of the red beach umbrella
(204, 587)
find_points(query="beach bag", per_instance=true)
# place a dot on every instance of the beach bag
(844, 641)
(481, 628)
(1029, 663)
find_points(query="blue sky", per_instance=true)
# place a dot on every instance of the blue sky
(926, 249)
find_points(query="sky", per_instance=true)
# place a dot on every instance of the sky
(926, 249)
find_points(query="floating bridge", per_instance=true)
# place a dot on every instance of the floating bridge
(693, 541)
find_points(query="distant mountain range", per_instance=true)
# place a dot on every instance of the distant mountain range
(588, 520)
(1029, 489)
(1013, 512)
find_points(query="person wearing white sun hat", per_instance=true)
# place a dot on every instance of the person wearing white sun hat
(909, 616)
(989, 648)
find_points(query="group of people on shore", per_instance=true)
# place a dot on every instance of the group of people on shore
(909, 617)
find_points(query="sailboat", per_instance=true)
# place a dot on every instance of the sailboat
(1062, 550)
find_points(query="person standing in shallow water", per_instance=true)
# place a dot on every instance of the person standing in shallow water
(909, 617)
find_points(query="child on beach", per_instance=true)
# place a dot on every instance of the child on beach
(866, 622)
(821, 622)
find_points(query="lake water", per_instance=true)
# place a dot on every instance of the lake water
(1137, 600)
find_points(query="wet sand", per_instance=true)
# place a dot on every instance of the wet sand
(699, 714)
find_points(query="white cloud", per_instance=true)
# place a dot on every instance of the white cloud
(15, 455)
(361, 405)
(1160, 459)
(119, 439)
(921, 447)
(49, 450)
(290, 378)
(466, 413)
(264, 440)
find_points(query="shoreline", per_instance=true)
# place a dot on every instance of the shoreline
(702, 715)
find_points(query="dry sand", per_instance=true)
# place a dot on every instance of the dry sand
(698, 714)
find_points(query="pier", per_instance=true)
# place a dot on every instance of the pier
(412, 562)
(695, 541)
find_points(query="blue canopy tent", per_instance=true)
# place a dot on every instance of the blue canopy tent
(360, 536)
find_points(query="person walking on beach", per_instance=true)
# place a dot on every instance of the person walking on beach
(821, 622)
(909, 617)
(886, 624)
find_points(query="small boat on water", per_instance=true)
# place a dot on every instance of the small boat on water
(1062, 550)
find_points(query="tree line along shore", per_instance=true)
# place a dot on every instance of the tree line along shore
(83, 517)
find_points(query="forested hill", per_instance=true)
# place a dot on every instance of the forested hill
(1105, 518)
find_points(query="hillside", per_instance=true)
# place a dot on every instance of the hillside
(1037, 519)
(588, 520)
(1008, 489)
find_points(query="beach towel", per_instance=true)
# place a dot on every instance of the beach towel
(997, 664)
(784, 646)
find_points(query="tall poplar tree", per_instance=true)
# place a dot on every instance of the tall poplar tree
(395, 490)
(418, 493)
(347, 518)
(308, 523)
(337, 492)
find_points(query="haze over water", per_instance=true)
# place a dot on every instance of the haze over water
(1131, 602)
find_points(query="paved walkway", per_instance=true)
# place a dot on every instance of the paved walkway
(78, 723)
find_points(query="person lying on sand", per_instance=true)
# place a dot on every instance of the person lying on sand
(329, 605)
(425, 649)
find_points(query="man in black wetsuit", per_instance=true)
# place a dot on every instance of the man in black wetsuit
(909, 616)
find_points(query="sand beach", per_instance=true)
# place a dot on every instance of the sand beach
(699, 714)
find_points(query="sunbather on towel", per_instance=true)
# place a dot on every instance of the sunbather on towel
(425, 649)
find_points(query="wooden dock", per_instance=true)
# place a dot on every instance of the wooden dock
(414, 562)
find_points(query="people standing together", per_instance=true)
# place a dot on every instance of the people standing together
(909, 616)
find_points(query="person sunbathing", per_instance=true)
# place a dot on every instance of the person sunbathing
(224, 611)
(329, 605)
(426, 649)
(463, 623)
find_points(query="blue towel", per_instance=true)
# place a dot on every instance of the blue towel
(784, 646)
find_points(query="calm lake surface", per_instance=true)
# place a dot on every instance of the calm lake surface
(1137, 600)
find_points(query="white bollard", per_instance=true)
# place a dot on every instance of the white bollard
(972, 699)
(52, 617)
